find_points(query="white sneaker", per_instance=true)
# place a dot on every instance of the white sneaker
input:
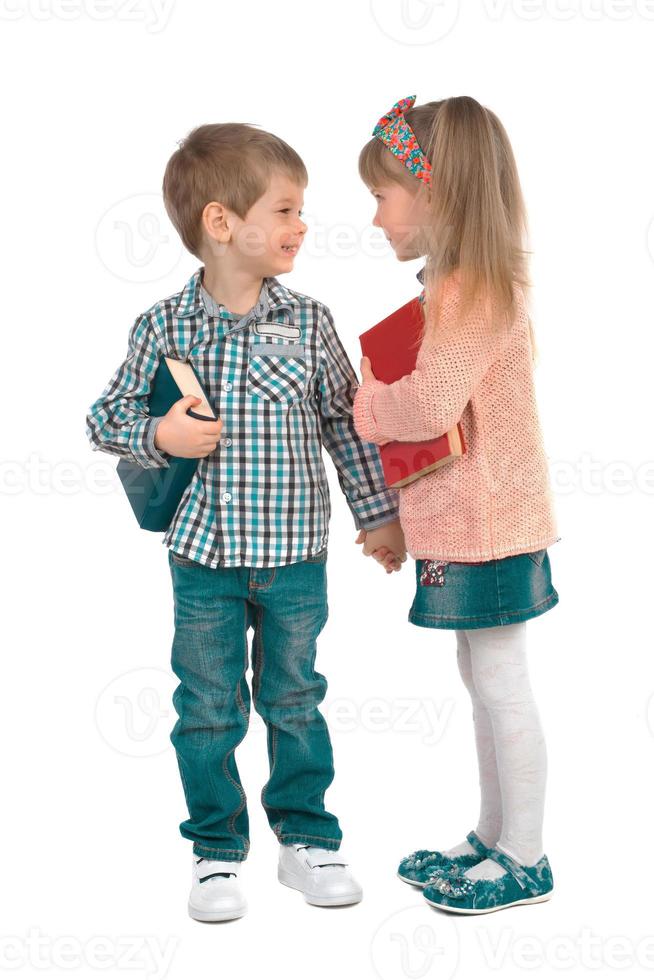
(215, 892)
(321, 875)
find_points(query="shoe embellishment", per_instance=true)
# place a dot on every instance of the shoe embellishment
(418, 859)
(456, 887)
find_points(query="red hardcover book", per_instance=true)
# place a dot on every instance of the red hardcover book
(392, 346)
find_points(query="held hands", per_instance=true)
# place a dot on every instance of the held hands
(181, 435)
(385, 544)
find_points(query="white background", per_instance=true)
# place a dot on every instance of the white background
(95, 97)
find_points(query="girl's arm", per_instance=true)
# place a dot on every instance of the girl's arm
(430, 401)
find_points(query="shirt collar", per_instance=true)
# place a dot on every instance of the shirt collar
(420, 276)
(273, 298)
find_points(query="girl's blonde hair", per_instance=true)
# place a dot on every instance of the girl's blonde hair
(478, 222)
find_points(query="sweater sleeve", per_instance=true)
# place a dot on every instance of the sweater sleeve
(430, 401)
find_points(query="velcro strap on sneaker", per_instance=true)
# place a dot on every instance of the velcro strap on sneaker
(316, 857)
(207, 868)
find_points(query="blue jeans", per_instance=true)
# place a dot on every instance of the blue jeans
(214, 607)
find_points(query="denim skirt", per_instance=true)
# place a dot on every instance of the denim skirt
(464, 595)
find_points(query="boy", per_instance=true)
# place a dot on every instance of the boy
(248, 542)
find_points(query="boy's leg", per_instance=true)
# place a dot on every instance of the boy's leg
(210, 657)
(292, 609)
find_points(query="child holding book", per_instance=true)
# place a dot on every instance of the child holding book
(247, 546)
(447, 188)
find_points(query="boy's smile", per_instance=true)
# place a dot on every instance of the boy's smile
(272, 232)
(240, 253)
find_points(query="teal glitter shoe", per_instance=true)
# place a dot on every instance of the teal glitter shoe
(521, 885)
(421, 866)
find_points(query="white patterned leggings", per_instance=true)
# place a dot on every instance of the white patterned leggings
(509, 738)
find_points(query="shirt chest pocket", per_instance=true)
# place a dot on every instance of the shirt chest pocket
(277, 372)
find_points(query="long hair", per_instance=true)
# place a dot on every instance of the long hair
(477, 225)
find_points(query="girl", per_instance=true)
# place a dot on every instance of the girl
(446, 186)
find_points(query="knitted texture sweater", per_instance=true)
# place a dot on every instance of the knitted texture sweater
(496, 499)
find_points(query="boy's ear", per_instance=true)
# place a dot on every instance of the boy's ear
(216, 222)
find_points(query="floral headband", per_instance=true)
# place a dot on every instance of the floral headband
(393, 130)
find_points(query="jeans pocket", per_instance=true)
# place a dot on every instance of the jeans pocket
(538, 557)
(180, 560)
(318, 558)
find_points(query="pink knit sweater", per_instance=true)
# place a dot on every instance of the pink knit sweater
(496, 499)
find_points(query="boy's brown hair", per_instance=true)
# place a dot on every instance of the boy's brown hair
(227, 162)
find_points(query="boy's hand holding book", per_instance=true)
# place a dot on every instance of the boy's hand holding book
(187, 430)
(182, 435)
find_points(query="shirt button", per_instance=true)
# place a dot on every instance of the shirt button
(227, 386)
(226, 497)
(226, 442)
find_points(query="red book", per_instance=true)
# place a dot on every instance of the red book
(392, 346)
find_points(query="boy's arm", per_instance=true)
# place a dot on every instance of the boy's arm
(118, 421)
(357, 463)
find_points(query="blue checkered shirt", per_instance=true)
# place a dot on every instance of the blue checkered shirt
(283, 385)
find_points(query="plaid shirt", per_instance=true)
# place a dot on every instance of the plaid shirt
(280, 380)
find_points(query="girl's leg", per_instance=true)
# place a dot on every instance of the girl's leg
(498, 658)
(489, 826)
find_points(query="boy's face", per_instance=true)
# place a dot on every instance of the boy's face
(267, 240)
(402, 216)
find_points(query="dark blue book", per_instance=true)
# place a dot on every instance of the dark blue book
(155, 492)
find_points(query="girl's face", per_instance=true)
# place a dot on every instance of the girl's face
(402, 216)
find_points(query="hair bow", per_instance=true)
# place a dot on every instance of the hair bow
(393, 130)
